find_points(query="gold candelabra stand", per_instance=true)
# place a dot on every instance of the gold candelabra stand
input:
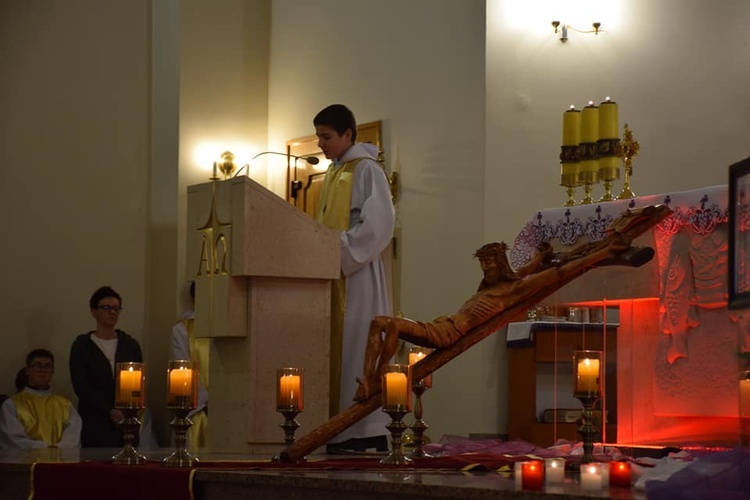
(628, 149)
(587, 430)
(569, 164)
(396, 427)
(290, 424)
(588, 173)
(609, 165)
(180, 424)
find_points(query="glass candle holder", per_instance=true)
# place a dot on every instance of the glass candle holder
(418, 428)
(591, 477)
(290, 389)
(182, 398)
(532, 475)
(620, 474)
(396, 394)
(554, 470)
(290, 399)
(130, 383)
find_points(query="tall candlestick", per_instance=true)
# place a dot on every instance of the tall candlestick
(571, 135)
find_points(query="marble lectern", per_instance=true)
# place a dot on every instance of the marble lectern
(263, 272)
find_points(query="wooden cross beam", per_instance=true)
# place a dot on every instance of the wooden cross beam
(629, 226)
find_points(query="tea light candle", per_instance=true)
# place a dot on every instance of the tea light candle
(591, 476)
(554, 470)
(532, 473)
(289, 391)
(619, 474)
(180, 382)
(396, 389)
(130, 386)
(588, 375)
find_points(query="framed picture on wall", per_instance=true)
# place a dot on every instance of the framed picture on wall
(739, 235)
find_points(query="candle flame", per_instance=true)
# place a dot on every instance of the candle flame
(572, 106)
(591, 103)
(592, 469)
(606, 98)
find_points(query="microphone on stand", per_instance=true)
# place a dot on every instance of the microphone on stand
(312, 160)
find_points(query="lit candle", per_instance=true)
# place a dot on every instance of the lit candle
(396, 389)
(130, 386)
(289, 391)
(571, 127)
(591, 477)
(608, 120)
(554, 470)
(180, 382)
(532, 473)
(590, 123)
(419, 356)
(588, 375)
(619, 474)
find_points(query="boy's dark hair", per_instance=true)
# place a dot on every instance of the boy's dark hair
(39, 353)
(102, 293)
(339, 118)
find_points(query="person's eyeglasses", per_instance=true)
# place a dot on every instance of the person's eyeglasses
(110, 308)
(43, 367)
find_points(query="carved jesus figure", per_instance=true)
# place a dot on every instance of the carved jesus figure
(500, 289)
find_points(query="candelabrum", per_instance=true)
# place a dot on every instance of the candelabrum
(182, 384)
(129, 399)
(628, 149)
(569, 164)
(588, 173)
(587, 366)
(396, 403)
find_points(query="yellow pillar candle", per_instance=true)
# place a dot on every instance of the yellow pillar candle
(608, 120)
(571, 127)
(130, 386)
(289, 391)
(590, 123)
(180, 382)
(588, 375)
(396, 389)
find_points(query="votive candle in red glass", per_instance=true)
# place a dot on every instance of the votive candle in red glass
(532, 475)
(619, 474)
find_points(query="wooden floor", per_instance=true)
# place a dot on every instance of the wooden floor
(212, 484)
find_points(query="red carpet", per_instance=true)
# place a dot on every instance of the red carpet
(151, 481)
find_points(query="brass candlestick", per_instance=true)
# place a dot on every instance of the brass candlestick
(182, 398)
(587, 366)
(290, 425)
(130, 426)
(419, 426)
(628, 149)
(588, 173)
(129, 398)
(180, 424)
(396, 403)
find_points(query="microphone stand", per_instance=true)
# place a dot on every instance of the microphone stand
(295, 185)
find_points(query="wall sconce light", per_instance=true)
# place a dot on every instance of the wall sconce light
(225, 165)
(565, 27)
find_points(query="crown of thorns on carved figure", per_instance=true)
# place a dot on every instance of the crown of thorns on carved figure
(490, 250)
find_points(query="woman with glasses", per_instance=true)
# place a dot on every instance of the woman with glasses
(35, 417)
(93, 356)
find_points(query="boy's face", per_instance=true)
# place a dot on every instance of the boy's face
(107, 312)
(333, 144)
(40, 372)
